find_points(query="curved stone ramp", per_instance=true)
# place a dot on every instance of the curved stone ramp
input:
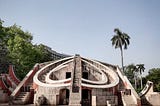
(104, 71)
(147, 87)
(47, 70)
(100, 82)
(61, 66)
(50, 81)
(42, 77)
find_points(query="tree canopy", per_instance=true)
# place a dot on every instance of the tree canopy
(154, 76)
(134, 74)
(16, 48)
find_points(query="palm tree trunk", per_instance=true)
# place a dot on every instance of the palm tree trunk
(141, 82)
(135, 83)
(122, 58)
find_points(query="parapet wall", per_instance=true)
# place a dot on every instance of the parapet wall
(148, 96)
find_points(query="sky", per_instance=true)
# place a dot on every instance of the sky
(86, 27)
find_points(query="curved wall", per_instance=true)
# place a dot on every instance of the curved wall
(51, 79)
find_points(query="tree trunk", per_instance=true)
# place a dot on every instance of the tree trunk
(135, 83)
(141, 82)
(122, 58)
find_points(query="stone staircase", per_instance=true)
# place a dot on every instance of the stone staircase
(75, 87)
(22, 98)
(24, 92)
(24, 95)
(75, 94)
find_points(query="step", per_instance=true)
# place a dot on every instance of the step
(18, 102)
(21, 99)
(21, 96)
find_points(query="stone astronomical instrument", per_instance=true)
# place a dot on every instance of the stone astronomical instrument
(66, 81)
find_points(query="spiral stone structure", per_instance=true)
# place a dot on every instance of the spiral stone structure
(75, 81)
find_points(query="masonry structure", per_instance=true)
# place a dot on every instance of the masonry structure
(74, 81)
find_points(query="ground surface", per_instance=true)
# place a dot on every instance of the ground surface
(6, 104)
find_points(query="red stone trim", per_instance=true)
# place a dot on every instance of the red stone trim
(12, 75)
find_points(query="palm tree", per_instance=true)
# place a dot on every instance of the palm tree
(120, 40)
(135, 73)
(140, 69)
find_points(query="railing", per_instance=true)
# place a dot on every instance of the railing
(28, 77)
(12, 75)
(8, 81)
(4, 86)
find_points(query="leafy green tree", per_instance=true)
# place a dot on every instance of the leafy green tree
(24, 55)
(154, 76)
(44, 53)
(3, 49)
(131, 73)
(20, 54)
(120, 40)
(16, 48)
(135, 72)
(128, 70)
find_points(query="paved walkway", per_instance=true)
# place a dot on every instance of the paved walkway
(6, 104)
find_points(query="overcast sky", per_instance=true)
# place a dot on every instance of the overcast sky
(85, 27)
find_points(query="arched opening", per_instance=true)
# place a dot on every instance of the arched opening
(64, 97)
(86, 97)
(85, 75)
